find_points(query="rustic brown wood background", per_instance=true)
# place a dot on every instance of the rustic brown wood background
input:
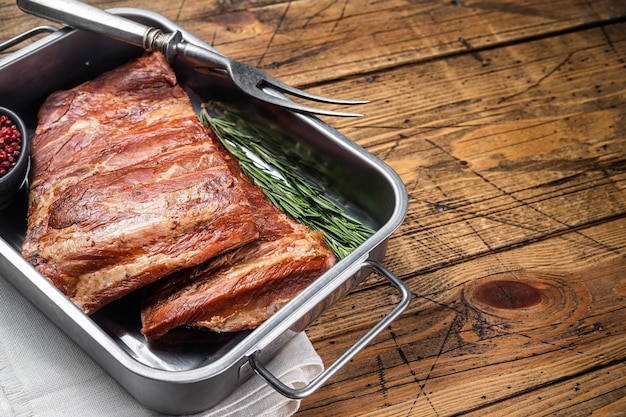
(507, 122)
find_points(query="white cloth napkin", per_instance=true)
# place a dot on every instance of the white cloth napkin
(44, 373)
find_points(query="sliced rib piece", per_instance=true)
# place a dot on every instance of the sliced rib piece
(244, 287)
(127, 186)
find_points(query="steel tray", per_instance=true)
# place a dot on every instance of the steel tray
(196, 376)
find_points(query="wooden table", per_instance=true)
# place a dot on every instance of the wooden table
(507, 122)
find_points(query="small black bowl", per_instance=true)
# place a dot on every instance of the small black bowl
(15, 178)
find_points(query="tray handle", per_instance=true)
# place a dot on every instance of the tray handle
(303, 392)
(26, 35)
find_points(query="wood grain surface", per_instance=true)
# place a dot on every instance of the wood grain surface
(506, 121)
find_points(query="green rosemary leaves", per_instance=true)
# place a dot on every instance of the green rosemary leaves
(283, 185)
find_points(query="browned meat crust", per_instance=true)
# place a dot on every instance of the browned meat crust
(127, 186)
(240, 289)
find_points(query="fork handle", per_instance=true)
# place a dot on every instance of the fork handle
(83, 16)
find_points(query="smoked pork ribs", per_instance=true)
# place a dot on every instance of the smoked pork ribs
(241, 289)
(127, 186)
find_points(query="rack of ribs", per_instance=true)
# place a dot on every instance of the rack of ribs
(241, 289)
(127, 186)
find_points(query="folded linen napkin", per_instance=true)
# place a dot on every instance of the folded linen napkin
(44, 373)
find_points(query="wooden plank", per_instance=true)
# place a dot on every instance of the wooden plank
(559, 333)
(596, 393)
(306, 42)
(496, 156)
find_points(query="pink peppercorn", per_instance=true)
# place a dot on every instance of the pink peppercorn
(10, 145)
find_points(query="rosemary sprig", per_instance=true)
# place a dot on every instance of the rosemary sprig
(284, 187)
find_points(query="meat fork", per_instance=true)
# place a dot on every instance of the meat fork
(249, 79)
